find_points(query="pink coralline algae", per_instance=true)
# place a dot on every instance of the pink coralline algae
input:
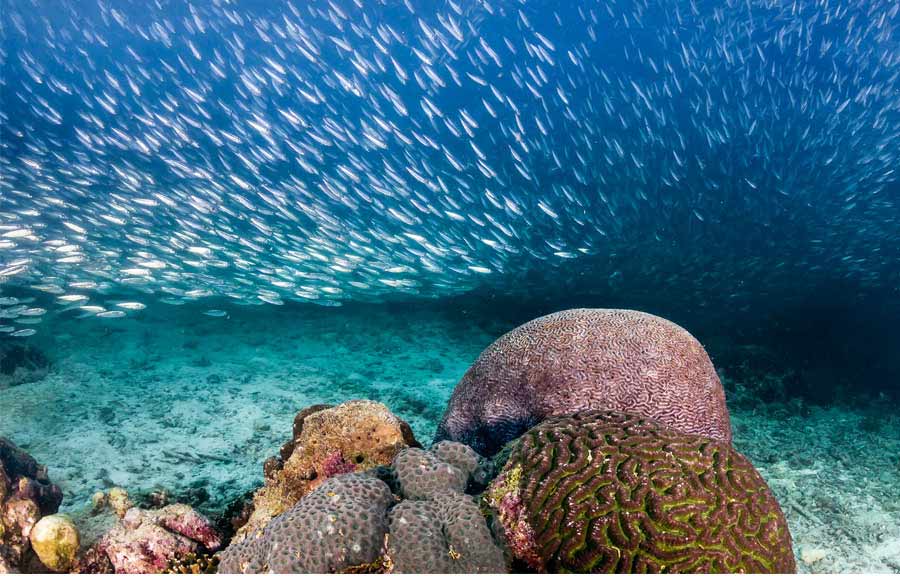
(149, 541)
(335, 464)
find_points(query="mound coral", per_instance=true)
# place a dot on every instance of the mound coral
(26, 495)
(421, 475)
(608, 492)
(446, 534)
(585, 359)
(327, 441)
(352, 522)
(338, 527)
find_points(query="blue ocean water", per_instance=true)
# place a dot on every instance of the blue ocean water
(214, 213)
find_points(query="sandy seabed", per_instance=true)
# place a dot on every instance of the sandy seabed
(177, 400)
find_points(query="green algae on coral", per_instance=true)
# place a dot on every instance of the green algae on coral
(610, 492)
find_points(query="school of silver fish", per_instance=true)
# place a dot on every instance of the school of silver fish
(330, 151)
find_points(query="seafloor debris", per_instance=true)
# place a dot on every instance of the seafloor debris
(609, 492)
(26, 495)
(353, 436)
(586, 359)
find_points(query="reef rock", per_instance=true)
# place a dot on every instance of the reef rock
(586, 359)
(26, 495)
(327, 441)
(150, 541)
(339, 527)
(20, 364)
(55, 540)
(610, 492)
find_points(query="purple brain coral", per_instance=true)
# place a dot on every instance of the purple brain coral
(586, 359)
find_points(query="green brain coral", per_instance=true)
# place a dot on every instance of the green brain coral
(610, 492)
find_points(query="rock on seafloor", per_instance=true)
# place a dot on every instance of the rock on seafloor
(326, 441)
(21, 364)
(55, 540)
(584, 359)
(150, 541)
(610, 492)
(26, 495)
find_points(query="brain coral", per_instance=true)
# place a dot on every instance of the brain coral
(585, 359)
(609, 492)
(338, 527)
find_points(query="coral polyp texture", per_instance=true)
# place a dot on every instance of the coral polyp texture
(584, 359)
(446, 534)
(608, 492)
(338, 527)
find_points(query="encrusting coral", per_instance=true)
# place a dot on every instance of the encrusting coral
(327, 440)
(584, 359)
(609, 492)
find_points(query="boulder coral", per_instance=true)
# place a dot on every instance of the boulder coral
(359, 521)
(337, 527)
(327, 440)
(446, 534)
(26, 495)
(438, 528)
(608, 492)
(586, 359)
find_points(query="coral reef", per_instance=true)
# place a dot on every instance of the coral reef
(21, 364)
(150, 541)
(337, 527)
(609, 492)
(585, 359)
(327, 441)
(26, 495)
